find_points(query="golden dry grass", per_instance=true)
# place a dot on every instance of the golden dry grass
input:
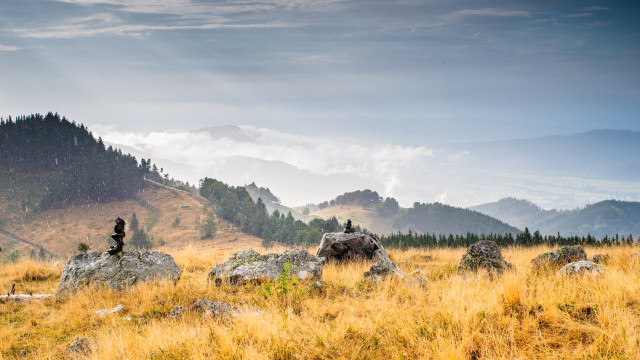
(521, 315)
(61, 230)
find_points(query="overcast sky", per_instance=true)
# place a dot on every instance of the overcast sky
(405, 71)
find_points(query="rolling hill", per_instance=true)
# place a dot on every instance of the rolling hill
(609, 217)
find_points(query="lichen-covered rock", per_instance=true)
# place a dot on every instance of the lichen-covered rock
(249, 266)
(558, 258)
(582, 267)
(484, 254)
(118, 271)
(382, 269)
(81, 346)
(339, 246)
(601, 259)
(208, 309)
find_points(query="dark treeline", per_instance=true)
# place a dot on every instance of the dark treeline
(526, 239)
(234, 204)
(79, 168)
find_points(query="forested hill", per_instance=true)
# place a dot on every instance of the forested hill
(438, 218)
(385, 216)
(65, 163)
(608, 217)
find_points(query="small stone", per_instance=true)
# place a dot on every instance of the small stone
(81, 345)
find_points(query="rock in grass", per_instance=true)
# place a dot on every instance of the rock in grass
(558, 258)
(81, 346)
(118, 271)
(249, 266)
(383, 269)
(209, 309)
(582, 267)
(600, 259)
(339, 246)
(484, 254)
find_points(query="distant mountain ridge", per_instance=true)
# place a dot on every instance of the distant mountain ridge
(609, 217)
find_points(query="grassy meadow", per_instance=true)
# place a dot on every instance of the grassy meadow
(522, 315)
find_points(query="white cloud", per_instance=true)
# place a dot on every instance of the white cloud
(200, 150)
(487, 12)
(10, 48)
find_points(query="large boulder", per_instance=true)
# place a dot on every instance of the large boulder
(582, 267)
(484, 254)
(340, 246)
(383, 269)
(118, 271)
(559, 258)
(249, 266)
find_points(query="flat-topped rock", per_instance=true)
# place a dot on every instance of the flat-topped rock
(249, 266)
(340, 246)
(118, 271)
(581, 267)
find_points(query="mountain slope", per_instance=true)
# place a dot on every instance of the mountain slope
(609, 217)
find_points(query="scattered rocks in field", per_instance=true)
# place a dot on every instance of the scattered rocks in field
(559, 258)
(81, 346)
(486, 255)
(601, 259)
(249, 266)
(208, 309)
(117, 271)
(581, 267)
(382, 269)
(339, 246)
(103, 312)
(420, 281)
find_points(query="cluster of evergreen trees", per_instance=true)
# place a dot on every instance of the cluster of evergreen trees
(80, 168)
(234, 204)
(526, 239)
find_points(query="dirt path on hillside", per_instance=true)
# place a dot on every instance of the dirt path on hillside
(19, 239)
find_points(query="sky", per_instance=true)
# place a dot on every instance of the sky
(404, 74)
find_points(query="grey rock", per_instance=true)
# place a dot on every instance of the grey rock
(249, 266)
(208, 309)
(601, 259)
(558, 258)
(104, 312)
(383, 269)
(339, 246)
(582, 267)
(118, 271)
(484, 254)
(420, 281)
(81, 346)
